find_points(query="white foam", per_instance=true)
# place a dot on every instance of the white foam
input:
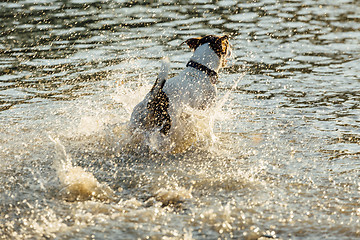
(77, 184)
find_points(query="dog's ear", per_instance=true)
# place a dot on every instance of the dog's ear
(193, 43)
(223, 38)
(221, 41)
(220, 45)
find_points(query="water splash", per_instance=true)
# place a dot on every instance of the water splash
(173, 195)
(77, 183)
(197, 123)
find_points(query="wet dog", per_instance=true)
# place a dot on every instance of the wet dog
(194, 87)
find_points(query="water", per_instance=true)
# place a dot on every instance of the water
(285, 162)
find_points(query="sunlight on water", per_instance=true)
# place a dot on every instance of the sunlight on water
(276, 158)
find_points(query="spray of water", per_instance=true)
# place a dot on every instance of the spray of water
(77, 184)
(194, 127)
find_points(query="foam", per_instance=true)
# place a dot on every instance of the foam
(176, 195)
(78, 184)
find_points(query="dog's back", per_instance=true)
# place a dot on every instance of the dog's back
(191, 89)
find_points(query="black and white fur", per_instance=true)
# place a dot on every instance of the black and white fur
(194, 87)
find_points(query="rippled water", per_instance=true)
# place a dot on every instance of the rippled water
(286, 160)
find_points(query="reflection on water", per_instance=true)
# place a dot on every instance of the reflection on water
(286, 160)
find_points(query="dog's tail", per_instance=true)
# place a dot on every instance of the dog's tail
(164, 70)
(158, 103)
(163, 74)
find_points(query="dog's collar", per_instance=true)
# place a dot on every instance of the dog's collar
(213, 75)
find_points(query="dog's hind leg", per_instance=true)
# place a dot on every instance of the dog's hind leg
(159, 102)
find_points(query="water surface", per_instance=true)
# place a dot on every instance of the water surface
(285, 163)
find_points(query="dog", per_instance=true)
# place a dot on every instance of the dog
(194, 87)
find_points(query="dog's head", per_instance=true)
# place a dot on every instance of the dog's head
(219, 44)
